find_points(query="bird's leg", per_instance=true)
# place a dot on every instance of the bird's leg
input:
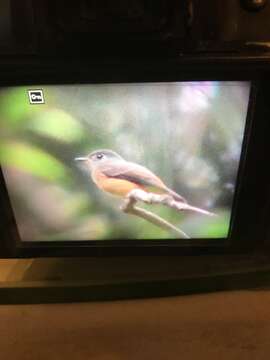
(140, 195)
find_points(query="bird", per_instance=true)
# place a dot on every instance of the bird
(113, 174)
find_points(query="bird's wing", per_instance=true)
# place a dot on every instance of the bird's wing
(132, 172)
(137, 174)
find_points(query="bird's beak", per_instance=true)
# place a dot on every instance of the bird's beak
(81, 158)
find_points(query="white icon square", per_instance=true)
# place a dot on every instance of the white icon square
(36, 96)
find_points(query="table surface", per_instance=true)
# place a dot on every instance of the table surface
(225, 325)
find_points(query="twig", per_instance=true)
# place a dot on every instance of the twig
(164, 199)
(139, 195)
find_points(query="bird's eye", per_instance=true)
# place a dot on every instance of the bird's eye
(99, 156)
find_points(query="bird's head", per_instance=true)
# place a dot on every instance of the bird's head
(97, 157)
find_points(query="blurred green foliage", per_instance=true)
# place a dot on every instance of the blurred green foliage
(190, 134)
(32, 160)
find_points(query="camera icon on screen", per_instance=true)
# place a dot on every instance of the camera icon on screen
(36, 96)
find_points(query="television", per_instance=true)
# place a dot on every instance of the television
(164, 157)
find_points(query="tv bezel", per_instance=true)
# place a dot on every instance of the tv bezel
(248, 226)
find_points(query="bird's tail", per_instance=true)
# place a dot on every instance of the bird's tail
(176, 196)
(197, 210)
(185, 204)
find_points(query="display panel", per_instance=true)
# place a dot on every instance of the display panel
(72, 154)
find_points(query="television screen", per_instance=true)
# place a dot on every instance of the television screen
(145, 161)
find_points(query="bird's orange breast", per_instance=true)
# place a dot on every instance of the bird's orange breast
(113, 186)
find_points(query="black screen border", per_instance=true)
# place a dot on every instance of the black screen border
(247, 212)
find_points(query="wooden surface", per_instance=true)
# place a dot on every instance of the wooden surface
(228, 325)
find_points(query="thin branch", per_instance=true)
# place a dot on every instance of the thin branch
(139, 195)
(154, 219)
(150, 198)
(164, 199)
